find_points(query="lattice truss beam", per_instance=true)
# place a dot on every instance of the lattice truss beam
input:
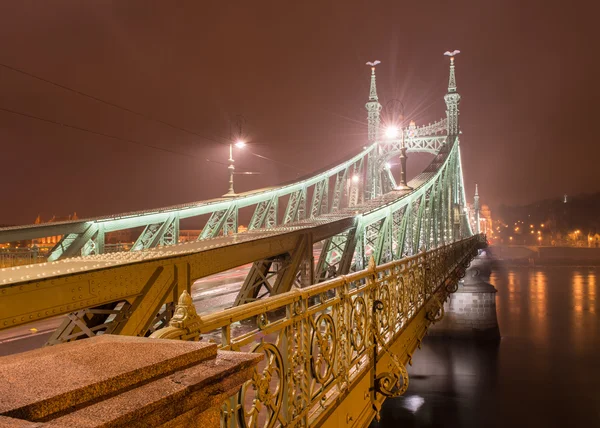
(139, 315)
(430, 216)
(423, 219)
(161, 227)
(390, 227)
(276, 275)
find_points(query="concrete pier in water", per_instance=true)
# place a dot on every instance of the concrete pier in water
(470, 312)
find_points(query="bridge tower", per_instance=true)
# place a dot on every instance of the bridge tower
(374, 122)
(452, 99)
(476, 208)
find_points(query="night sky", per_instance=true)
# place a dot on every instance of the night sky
(528, 76)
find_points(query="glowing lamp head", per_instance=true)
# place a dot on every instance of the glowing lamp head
(388, 165)
(355, 178)
(240, 144)
(391, 132)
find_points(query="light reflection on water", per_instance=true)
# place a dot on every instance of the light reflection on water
(545, 371)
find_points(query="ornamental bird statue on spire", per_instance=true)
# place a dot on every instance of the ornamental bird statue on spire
(453, 53)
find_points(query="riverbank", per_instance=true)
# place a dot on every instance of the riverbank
(546, 256)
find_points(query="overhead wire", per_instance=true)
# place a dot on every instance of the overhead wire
(79, 128)
(126, 109)
(109, 103)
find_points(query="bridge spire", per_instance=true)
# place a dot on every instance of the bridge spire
(373, 107)
(476, 208)
(452, 98)
(452, 78)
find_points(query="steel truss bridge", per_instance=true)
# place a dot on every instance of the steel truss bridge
(416, 237)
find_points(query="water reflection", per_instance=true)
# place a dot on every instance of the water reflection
(537, 303)
(448, 385)
(592, 292)
(547, 359)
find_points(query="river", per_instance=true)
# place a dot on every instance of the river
(545, 371)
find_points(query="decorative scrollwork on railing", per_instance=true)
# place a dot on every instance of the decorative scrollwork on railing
(261, 405)
(358, 328)
(391, 383)
(452, 286)
(323, 346)
(262, 321)
(435, 310)
(320, 339)
(384, 317)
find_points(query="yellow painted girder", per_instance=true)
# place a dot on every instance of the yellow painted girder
(32, 300)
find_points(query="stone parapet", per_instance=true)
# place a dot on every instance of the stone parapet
(120, 381)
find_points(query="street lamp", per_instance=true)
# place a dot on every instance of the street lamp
(240, 145)
(391, 132)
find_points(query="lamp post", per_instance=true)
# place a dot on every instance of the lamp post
(239, 144)
(240, 120)
(392, 133)
(403, 185)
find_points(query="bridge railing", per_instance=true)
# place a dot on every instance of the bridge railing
(11, 257)
(319, 340)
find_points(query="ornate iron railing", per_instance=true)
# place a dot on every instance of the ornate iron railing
(318, 340)
(439, 127)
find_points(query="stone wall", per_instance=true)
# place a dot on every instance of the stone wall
(120, 381)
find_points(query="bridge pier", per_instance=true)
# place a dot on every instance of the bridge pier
(470, 312)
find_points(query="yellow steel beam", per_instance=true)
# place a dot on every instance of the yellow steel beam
(60, 292)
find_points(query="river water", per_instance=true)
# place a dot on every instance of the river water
(545, 371)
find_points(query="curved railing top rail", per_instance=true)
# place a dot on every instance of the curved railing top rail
(219, 319)
(432, 129)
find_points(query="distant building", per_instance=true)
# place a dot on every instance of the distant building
(189, 235)
(485, 220)
(52, 240)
